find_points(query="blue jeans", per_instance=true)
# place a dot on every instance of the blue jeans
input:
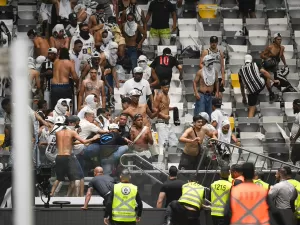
(131, 52)
(109, 163)
(204, 104)
(90, 151)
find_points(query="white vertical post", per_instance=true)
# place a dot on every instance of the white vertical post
(22, 151)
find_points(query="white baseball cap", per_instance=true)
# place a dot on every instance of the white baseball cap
(113, 126)
(248, 58)
(142, 58)
(52, 50)
(50, 119)
(205, 116)
(138, 70)
(60, 120)
(135, 92)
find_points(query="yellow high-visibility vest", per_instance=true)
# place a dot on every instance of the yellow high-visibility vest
(220, 191)
(261, 183)
(124, 203)
(192, 194)
(296, 184)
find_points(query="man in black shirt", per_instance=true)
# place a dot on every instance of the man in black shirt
(163, 65)
(171, 189)
(123, 127)
(103, 185)
(160, 11)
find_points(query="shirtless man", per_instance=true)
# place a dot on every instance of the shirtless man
(60, 84)
(59, 39)
(271, 57)
(206, 80)
(136, 108)
(130, 31)
(94, 86)
(34, 78)
(193, 138)
(41, 45)
(66, 163)
(141, 145)
(164, 129)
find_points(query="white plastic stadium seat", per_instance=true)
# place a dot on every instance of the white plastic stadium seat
(258, 37)
(288, 108)
(293, 78)
(239, 51)
(278, 24)
(227, 107)
(235, 65)
(27, 12)
(250, 138)
(290, 96)
(246, 124)
(297, 36)
(269, 123)
(294, 9)
(292, 63)
(186, 40)
(289, 51)
(187, 24)
(256, 24)
(175, 94)
(233, 24)
(270, 109)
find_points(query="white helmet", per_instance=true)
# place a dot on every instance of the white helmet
(208, 59)
(60, 120)
(248, 58)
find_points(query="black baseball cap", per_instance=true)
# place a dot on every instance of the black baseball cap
(217, 101)
(72, 16)
(213, 39)
(296, 102)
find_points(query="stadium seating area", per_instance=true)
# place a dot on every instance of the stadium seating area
(220, 18)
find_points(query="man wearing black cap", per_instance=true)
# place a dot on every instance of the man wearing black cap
(124, 205)
(171, 189)
(295, 133)
(219, 60)
(72, 29)
(218, 115)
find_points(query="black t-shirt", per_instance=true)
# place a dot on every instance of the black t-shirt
(109, 143)
(124, 131)
(102, 184)
(163, 65)
(161, 13)
(173, 190)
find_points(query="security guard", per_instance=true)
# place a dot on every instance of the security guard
(220, 191)
(247, 203)
(124, 205)
(296, 184)
(186, 211)
(259, 176)
(237, 174)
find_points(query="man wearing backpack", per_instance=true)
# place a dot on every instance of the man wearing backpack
(253, 80)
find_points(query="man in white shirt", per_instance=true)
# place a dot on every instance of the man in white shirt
(295, 133)
(148, 73)
(140, 84)
(76, 56)
(218, 115)
(88, 128)
(72, 29)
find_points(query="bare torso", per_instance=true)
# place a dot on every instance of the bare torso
(64, 142)
(92, 87)
(164, 104)
(59, 43)
(202, 86)
(142, 143)
(130, 41)
(192, 149)
(41, 47)
(274, 51)
(61, 71)
(140, 109)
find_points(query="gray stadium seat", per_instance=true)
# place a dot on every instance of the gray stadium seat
(27, 12)
(256, 24)
(278, 24)
(250, 139)
(270, 109)
(269, 123)
(290, 96)
(258, 37)
(211, 24)
(246, 124)
(187, 24)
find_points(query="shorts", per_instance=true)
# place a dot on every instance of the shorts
(188, 162)
(160, 34)
(252, 99)
(67, 165)
(59, 91)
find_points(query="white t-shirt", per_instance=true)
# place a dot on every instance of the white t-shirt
(87, 47)
(143, 86)
(87, 129)
(77, 60)
(147, 73)
(296, 126)
(218, 115)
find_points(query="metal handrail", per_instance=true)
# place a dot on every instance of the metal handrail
(146, 162)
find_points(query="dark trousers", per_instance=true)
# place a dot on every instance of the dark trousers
(59, 91)
(218, 220)
(122, 223)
